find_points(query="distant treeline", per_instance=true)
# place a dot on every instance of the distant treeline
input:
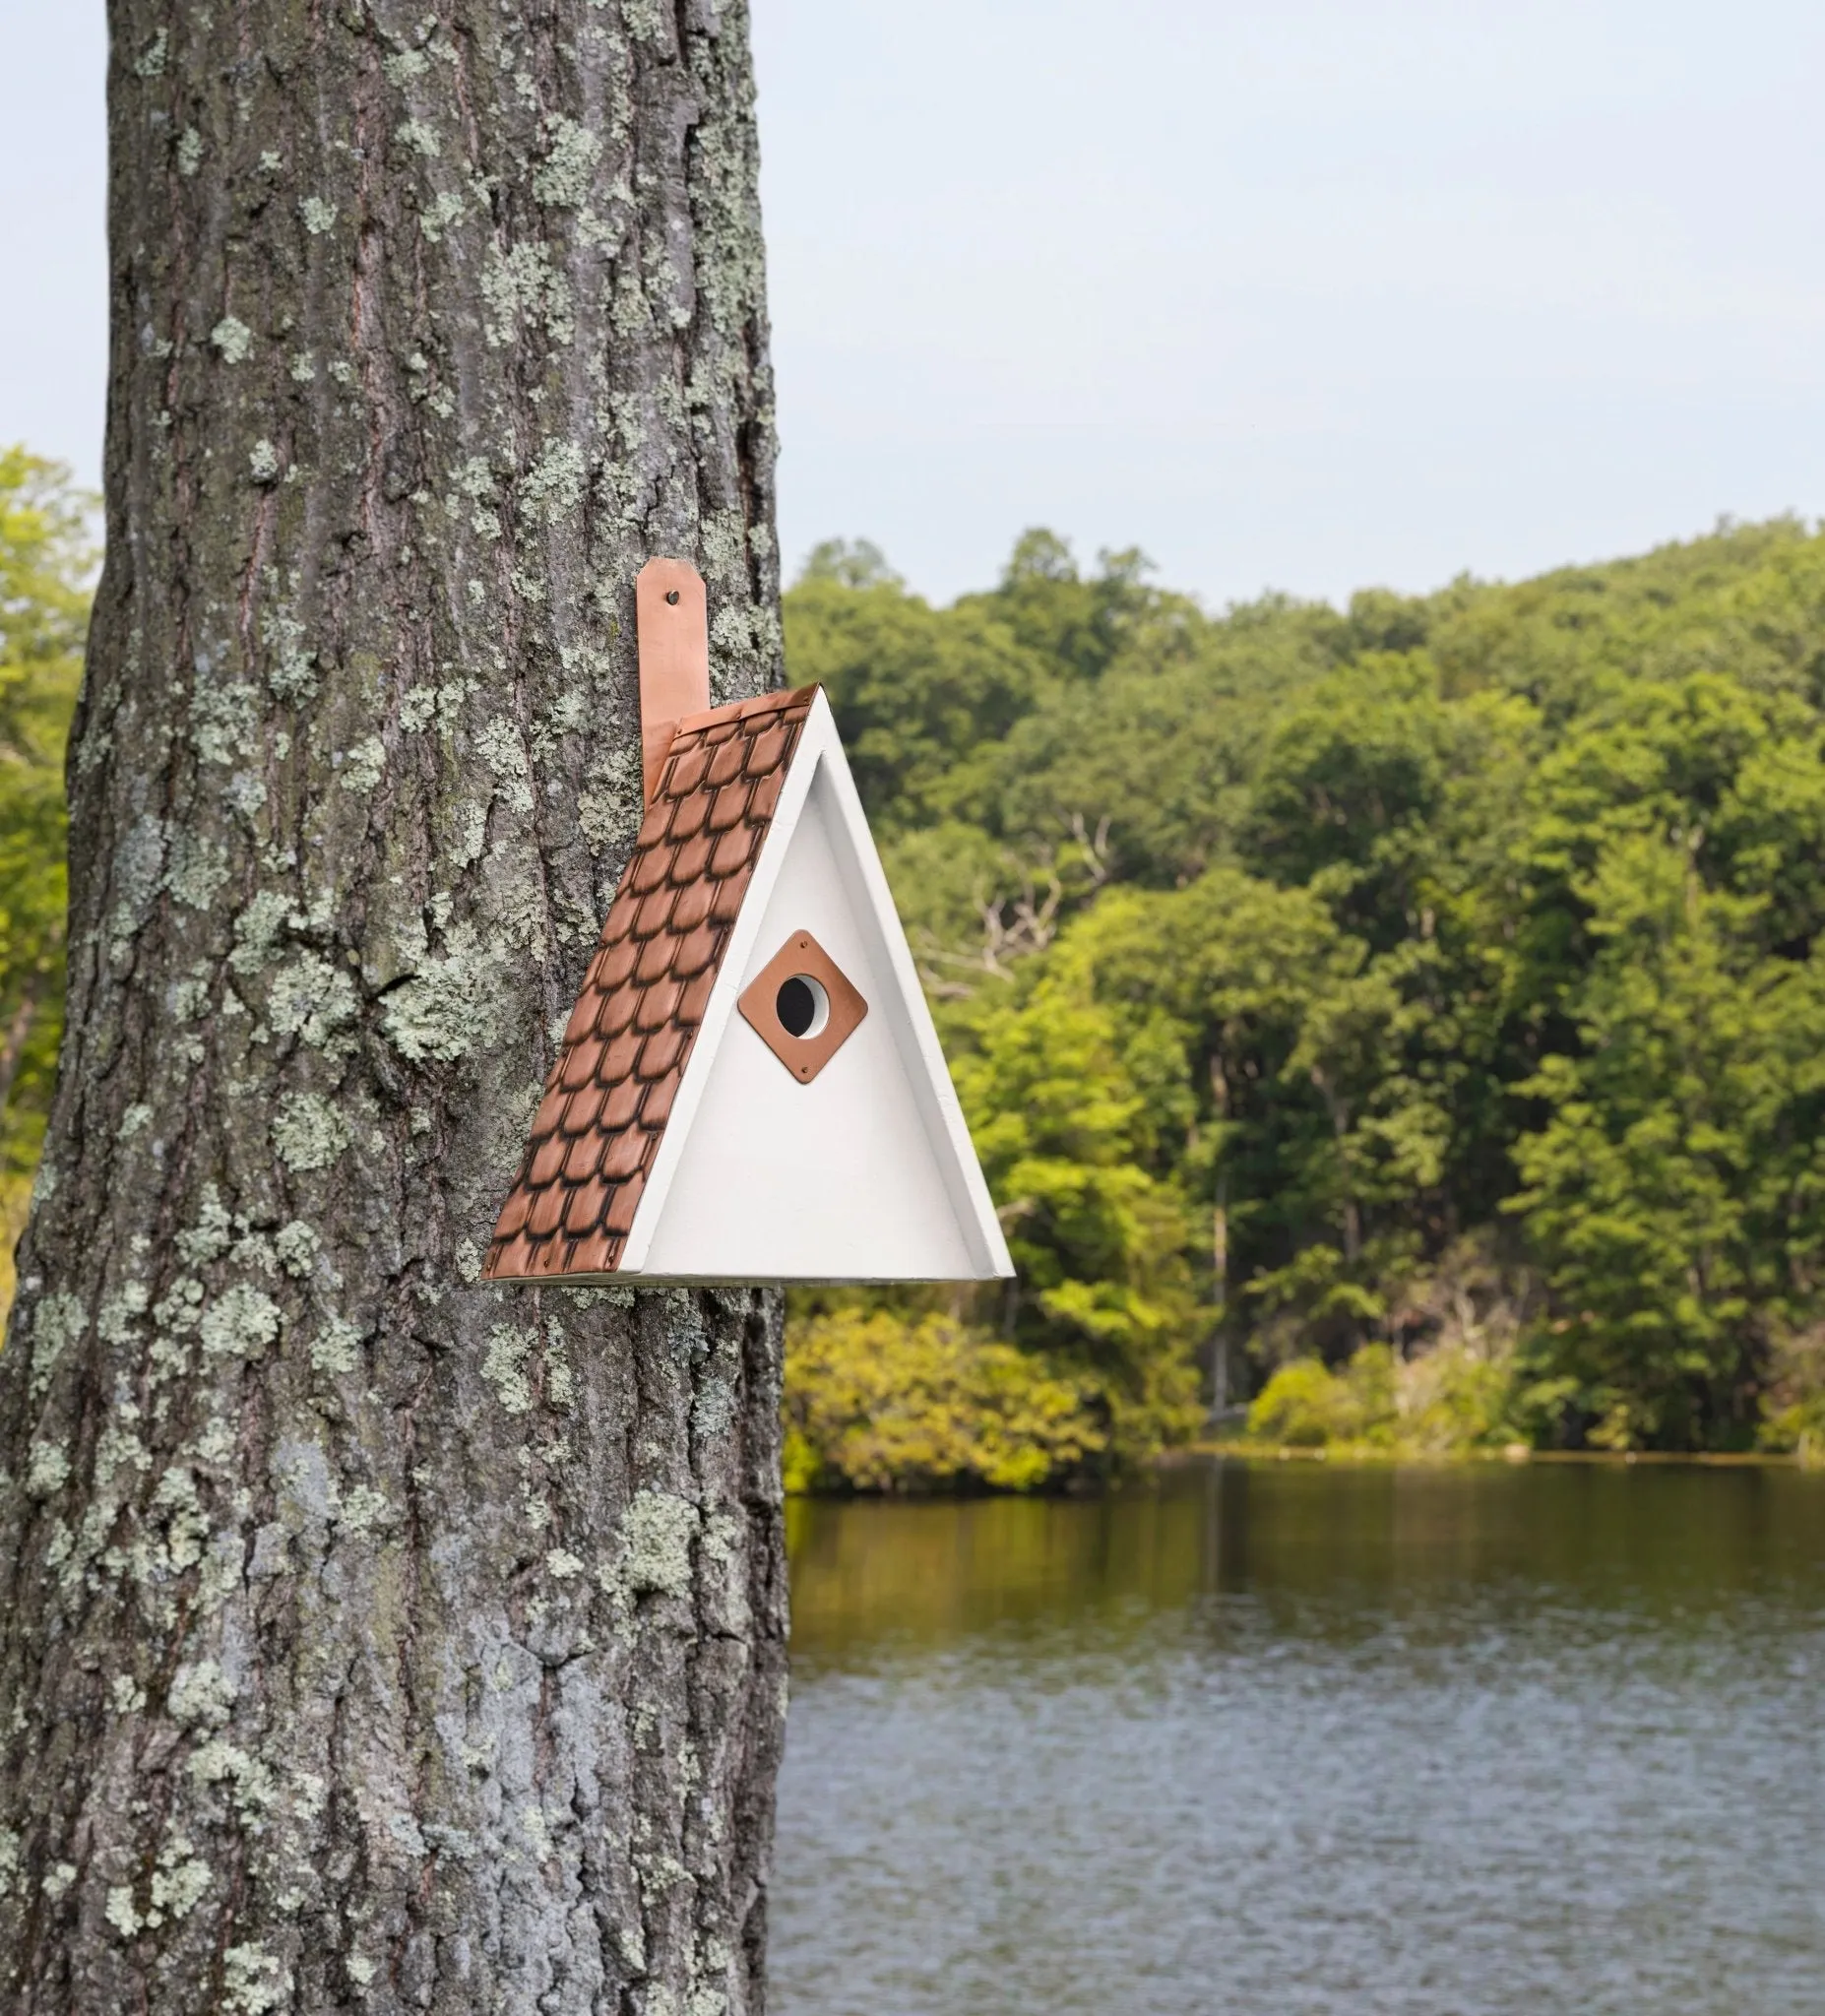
(45, 561)
(1408, 1017)
(1408, 1021)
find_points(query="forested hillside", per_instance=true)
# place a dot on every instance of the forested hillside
(1405, 1019)
(44, 562)
(1422, 999)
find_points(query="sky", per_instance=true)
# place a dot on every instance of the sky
(1300, 294)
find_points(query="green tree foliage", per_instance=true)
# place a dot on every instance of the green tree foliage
(1415, 1007)
(879, 1402)
(45, 564)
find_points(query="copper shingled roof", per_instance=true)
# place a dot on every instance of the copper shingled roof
(618, 1069)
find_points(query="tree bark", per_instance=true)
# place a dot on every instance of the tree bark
(371, 1639)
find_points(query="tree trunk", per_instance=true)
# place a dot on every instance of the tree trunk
(370, 1639)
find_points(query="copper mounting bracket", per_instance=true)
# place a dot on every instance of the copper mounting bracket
(671, 622)
(826, 1008)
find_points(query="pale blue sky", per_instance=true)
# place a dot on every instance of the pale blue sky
(1300, 293)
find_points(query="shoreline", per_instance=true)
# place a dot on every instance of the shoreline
(1517, 1453)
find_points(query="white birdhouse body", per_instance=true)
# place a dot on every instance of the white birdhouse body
(806, 1129)
(865, 1174)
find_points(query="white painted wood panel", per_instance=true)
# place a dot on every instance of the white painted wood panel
(838, 1180)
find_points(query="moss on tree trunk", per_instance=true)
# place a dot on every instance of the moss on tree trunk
(370, 1639)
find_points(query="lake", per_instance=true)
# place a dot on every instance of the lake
(1305, 1737)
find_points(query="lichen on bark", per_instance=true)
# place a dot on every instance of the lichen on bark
(370, 1638)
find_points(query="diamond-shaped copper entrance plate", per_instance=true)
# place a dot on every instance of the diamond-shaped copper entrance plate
(769, 1002)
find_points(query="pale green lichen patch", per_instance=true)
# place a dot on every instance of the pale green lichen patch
(308, 1132)
(214, 1444)
(47, 1472)
(222, 720)
(500, 747)
(713, 1408)
(443, 212)
(257, 929)
(332, 1349)
(561, 181)
(504, 1366)
(119, 1910)
(471, 833)
(312, 1000)
(199, 868)
(419, 710)
(245, 791)
(364, 765)
(56, 1323)
(319, 216)
(552, 489)
(180, 1882)
(420, 138)
(262, 462)
(213, 1232)
(138, 876)
(363, 1510)
(200, 1696)
(177, 1507)
(254, 1980)
(296, 1246)
(189, 151)
(644, 19)
(232, 339)
(238, 1324)
(560, 1381)
(658, 1529)
(449, 1008)
(220, 1762)
(608, 808)
(293, 674)
(523, 283)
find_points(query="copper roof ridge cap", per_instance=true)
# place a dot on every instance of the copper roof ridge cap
(783, 696)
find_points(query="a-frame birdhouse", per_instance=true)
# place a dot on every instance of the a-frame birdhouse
(750, 1087)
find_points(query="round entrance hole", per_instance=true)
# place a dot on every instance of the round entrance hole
(802, 1006)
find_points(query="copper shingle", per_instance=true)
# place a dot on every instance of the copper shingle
(613, 1083)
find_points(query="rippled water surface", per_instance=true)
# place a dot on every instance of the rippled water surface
(1288, 1738)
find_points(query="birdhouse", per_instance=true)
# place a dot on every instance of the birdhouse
(750, 1087)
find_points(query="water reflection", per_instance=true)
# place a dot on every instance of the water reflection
(1296, 1738)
